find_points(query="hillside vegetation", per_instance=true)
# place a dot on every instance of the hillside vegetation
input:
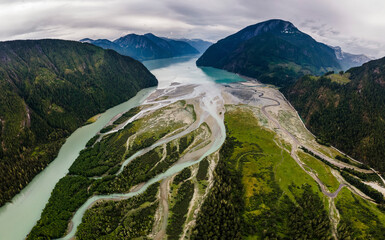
(259, 190)
(48, 89)
(105, 158)
(347, 111)
(274, 52)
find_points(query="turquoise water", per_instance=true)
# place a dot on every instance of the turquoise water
(18, 218)
(221, 76)
(184, 72)
(185, 66)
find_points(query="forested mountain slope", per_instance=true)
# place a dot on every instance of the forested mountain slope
(274, 52)
(48, 89)
(346, 110)
(146, 47)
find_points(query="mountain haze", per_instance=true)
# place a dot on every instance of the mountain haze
(145, 47)
(198, 44)
(103, 43)
(348, 60)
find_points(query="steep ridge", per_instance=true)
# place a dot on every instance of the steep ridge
(176, 48)
(346, 110)
(274, 52)
(140, 47)
(50, 88)
(145, 47)
(348, 60)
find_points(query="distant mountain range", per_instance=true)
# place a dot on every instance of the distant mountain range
(49, 88)
(198, 44)
(275, 52)
(348, 60)
(149, 46)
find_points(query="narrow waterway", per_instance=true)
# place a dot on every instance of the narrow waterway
(18, 218)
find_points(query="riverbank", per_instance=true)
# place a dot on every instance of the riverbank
(31, 200)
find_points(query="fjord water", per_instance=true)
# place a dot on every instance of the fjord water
(184, 70)
(18, 218)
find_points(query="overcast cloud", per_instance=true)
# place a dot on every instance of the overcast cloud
(355, 25)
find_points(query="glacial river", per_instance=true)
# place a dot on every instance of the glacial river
(18, 217)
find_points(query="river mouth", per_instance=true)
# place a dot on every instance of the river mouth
(175, 76)
(19, 216)
(206, 95)
(179, 81)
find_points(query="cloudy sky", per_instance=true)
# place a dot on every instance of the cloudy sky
(355, 25)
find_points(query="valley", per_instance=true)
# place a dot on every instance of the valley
(49, 89)
(192, 120)
(204, 151)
